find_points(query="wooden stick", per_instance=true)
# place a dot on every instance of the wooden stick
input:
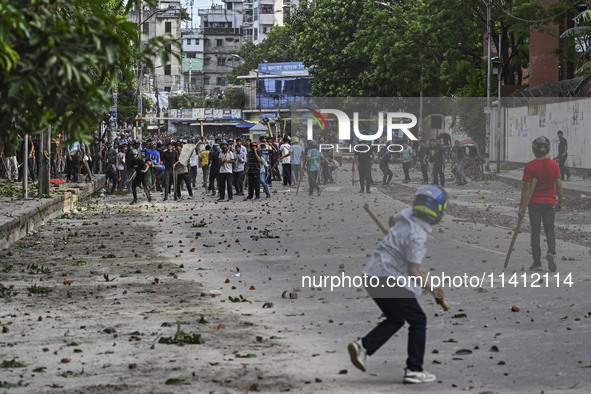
(520, 215)
(385, 230)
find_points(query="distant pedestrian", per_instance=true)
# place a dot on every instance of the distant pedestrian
(313, 160)
(405, 156)
(542, 204)
(214, 168)
(364, 162)
(254, 171)
(422, 157)
(169, 157)
(461, 162)
(562, 156)
(238, 170)
(204, 163)
(385, 167)
(227, 159)
(439, 164)
(296, 159)
(285, 159)
(140, 167)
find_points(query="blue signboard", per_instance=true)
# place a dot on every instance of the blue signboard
(186, 113)
(281, 68)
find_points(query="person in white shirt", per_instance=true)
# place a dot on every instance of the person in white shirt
(296, 159)
(238, 172)
(227, 160)
(285, 159)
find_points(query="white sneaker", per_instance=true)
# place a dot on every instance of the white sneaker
(418, 377)
(358, 354)
(551, 259)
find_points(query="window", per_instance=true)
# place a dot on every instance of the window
(229, 6)
(188, 41)
(167, 70)
(267, 9)
(206, 61)
(193, 81)
(219, 43)
(168, 27)
(221, 61)
(256, 34)
(256, 14)
(206, 80)
(206, 42)
(191, 55)
(146, 28)
(220, 81)
(167, 88)
(196, 41)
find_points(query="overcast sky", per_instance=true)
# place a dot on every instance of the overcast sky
(196, 5)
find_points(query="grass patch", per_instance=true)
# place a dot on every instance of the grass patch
(13, 364)
(182, 337)
(266, 233)
(38, 289)
(35, 269)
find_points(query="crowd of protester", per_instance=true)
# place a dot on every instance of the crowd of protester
(225, 166)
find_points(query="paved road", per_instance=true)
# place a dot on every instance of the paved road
(297, 344)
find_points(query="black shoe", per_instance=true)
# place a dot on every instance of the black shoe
(536, 267)
(368, 192)
(220, 199)
(133, 202)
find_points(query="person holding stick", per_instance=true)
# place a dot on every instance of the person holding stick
(396, 264)
(543, 204)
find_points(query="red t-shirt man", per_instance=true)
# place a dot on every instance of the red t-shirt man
(545, 171)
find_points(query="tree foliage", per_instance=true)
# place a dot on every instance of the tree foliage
(581, 34)
(58, 59)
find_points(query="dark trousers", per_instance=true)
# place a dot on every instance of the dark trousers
(286, 174)
(180, 178)
(111, 182)
(365, 177)
(538, 213)
(406, 169)
(253, 185)
(563, 170)
(438, 176)
(74, 170)
(168, 180)
(213, 178)
(238, 181)
(425, 171)
(397, 312)
(193, 175)
(140, 179)
(225, 180)
(388, 174)
(313, 181)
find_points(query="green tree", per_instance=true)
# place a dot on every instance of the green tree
(58, 59)
(581, 35)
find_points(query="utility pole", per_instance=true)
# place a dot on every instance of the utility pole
(44, 168)
(487, 110)
(500, 70)
(157, 99)
(26, 167)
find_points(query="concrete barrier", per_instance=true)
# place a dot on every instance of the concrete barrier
(21, 217)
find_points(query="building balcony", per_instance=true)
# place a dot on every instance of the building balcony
(219, 50)
(221, 31)
(211, 11)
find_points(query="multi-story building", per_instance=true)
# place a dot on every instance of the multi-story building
(192, 67)
(221, 27)
(163, 20)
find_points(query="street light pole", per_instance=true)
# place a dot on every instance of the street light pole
(500, 70)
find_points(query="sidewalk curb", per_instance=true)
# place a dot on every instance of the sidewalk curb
(24, 221)
(567, 191)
